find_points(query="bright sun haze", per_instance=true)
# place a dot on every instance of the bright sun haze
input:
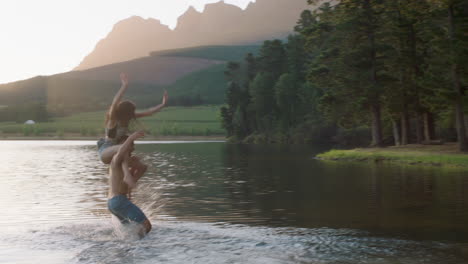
(52, 36)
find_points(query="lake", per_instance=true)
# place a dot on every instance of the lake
(213, 202)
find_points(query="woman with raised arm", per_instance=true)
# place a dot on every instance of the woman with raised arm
(118, 118)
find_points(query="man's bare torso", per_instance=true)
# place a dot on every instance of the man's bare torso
(117, 186)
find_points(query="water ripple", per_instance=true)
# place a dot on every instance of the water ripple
(213, 203)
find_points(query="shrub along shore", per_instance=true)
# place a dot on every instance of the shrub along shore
(446, 155)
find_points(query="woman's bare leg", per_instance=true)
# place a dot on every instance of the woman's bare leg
(108, 153)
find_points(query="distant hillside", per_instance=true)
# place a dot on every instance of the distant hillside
(160, 70)
(165, 67)
(208, 85)
(63, 96)
(194, 75)
(218, 24)
(220, 53)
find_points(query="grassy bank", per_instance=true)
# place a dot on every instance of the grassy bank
(74, 136)
(199, 121)
(434, 155)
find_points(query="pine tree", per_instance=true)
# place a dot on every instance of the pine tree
(450, 47)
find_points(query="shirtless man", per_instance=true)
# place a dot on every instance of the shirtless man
(118, 201)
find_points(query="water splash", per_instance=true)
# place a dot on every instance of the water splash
(106, 241)
(191, 242)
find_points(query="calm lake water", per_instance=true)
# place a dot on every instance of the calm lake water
(211, 202)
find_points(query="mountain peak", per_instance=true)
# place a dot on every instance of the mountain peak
(220, 23)
(138, 21)
(221, 5)
(190, 11)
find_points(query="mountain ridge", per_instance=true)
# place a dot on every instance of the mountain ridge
(218, 24)
(191, 75)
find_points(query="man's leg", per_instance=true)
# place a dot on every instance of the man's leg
(147, 226)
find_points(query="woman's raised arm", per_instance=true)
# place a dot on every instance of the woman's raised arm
(118, 95)
(154, 109)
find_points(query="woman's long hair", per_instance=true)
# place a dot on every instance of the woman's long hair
(125, 112)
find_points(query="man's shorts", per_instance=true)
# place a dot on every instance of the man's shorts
(125, 210)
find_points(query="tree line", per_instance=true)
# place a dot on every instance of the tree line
(390, 71)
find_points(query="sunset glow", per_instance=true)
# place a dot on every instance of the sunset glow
(53, 36)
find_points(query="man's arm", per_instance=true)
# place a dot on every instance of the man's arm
(154, 109)
(126, 147)
(128, 178)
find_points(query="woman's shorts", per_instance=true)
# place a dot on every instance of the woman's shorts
(125, 210)
(103, 144)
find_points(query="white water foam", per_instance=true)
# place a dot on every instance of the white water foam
(102, 241)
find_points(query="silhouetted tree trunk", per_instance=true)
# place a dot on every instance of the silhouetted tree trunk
(428, 126)
(374, 96)
(405, 127)
(466, 125)
(396, 132)
(419, 127)
(459, 116)
(376, 126)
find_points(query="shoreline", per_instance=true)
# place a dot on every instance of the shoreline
(96, 138)
(445, 155)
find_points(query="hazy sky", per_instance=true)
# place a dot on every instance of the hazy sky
(43, 37)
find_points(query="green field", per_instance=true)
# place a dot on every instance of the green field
(171, 121)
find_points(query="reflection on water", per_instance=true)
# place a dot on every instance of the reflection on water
(285, 186)
(221, 203)
(49, 182)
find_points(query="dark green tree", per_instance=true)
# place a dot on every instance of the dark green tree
(449, 57)
(263, 101)
(272, 58)
(286, 90)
